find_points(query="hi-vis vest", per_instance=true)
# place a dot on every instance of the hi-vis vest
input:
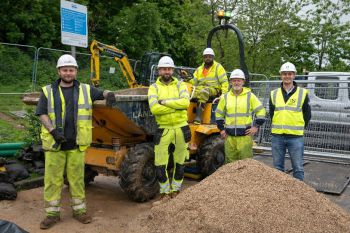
(84, 118)
(288, 117)
(177, 97)
(237, 110)
(216, 77)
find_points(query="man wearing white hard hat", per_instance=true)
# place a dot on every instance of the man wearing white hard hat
(234, 118)
(290, 113)
(65, 111)
(168, 100)
(209, 80)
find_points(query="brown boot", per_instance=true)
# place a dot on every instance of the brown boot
(83, 218)
(49, 221)
(174, 194)
(164, 197)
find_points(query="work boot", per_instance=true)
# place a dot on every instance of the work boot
(174, 194)
(164, 197)
(84, 218)
(199, 110)
(49, 221)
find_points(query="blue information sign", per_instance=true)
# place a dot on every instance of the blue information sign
(74, 24)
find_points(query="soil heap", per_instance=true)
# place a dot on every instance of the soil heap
(248, 196)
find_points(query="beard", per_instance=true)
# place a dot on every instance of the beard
(208, 63)
(237, 88)
(67, 80)
(166, 78)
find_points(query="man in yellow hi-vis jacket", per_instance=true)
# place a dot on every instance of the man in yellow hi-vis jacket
(168, 100)
(209, 80)
(290, 113)
(234, 118)
(65, 111)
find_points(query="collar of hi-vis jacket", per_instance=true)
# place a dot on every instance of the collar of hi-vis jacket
(213, 66)
(174, 82)
(58, 103)
(244, 91)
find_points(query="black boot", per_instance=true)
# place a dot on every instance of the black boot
(199, 110)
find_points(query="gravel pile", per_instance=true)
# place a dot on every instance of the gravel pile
(247, 196)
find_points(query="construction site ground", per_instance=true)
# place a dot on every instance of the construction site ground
(110, 208)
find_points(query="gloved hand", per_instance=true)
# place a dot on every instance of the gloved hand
(58, 136)
(185, 75)
(110, 100)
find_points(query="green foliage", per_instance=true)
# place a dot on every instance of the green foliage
(8, 134)
(30, 22)
(33, 128)
(329, 34)
(140, 38)
(309, 33)
(11, 72)
(111, 76)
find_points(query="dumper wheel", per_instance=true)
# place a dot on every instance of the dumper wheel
(138, 173)
(211, 155)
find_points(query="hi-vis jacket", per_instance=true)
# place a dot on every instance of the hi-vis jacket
(288, 116)
(84, 117)
(173, 113)
(216, 77)
(237, 111)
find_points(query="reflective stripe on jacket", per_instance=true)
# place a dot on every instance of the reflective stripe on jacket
(288, 117)
(215, 77)
(173, 113)
(84, 117)
(237, 111)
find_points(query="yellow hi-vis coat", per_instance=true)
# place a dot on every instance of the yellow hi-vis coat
(84, 118)
(237, 110)
(172, 119)
(173, 114)
(288, 117)
(216, 77)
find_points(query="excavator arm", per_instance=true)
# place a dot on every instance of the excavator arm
(119, 56)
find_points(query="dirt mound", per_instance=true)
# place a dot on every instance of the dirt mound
(248, 196)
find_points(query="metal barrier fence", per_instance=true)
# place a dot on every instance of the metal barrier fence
(329, 128)
(111, 76)
(16, 72)
(177, 72)
(26, 68)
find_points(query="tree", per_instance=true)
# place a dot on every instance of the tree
(329, 33)
(141, 37)
(30, 22)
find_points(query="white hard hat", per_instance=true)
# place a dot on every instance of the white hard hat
(208, 51)
(66, 60)
(237, 73)
(166, 61)
(288, 67)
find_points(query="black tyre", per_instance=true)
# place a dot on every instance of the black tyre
(88, 178)
(138, 173)
(211, 155)
(89, 175)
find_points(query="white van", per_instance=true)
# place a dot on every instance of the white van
(329, 94)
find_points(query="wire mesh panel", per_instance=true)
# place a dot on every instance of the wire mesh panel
(16, 67)
(111, 76)
(16, 72)
(178, 73)
(329, 128)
